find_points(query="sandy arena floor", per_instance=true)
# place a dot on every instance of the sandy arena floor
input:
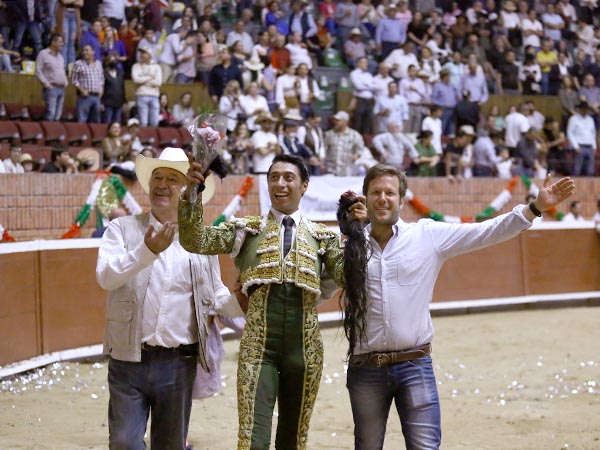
(514, 380)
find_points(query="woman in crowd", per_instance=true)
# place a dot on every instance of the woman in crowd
(229, 104)
(240, 148)
(114, 147)
(183, 113)
(113, 45)
(165, 116)
(252, 105)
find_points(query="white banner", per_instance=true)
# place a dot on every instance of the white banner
(320, 200)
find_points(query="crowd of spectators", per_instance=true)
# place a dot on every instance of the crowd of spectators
(421, 75)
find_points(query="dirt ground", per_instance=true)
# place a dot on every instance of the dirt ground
(511, 380)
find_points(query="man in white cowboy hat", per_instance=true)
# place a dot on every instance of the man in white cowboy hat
(264, 143)
(158, 302)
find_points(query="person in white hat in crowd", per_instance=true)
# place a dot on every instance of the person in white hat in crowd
(148, 78)
(343, 147)
(159, 298)
(253, 104)
(354, 47)
(29, 164)
(252, 71)
(132, 137)
(264, 143)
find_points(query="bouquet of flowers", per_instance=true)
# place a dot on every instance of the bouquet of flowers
(208, 133)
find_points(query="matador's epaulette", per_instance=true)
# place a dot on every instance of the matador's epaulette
(250, 224)
(319, 231)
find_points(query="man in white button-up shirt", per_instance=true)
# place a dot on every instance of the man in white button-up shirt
(390, 361)
(159, 300)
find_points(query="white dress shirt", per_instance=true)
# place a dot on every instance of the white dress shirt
(401, 278)
(296, 216)
(10, 167)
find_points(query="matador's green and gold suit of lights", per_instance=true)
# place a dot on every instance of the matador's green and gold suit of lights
(281, 351)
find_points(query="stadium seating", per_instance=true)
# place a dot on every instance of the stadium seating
(16, 111)
(148, 136)
(98, 132)
(54, 133)
(78, 134)
(30, 132)
(168, 137)
(8, 131)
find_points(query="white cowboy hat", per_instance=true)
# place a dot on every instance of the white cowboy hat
(254, 63)
(171, 158)
(293, 114)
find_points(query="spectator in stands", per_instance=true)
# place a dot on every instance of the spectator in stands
(390, 33)
(131, 37)
(553, 23)
(362, 81)
(459, 32)
(210, 16)
(168, 55)
(401, 59)
(27, 16)
(568, 98)
(50, 70)
(415, 92)
(274, 16)
(165, 115)
(428, 156)
(526, 153)
(222, 73)
(291, 145)
(147, 76)
(12, 164)
(88, 78)
(238, 57)
(343, 145)
(581, 132)
(445, 96)
(148, 42)
(494, 120)
(394, 148)
(437, 46)
(280, 55)
(456, 68)
(185, 71)
(298, 51)
(229, 104)
(92, 37)
(5, 57)
(308, 89)
(60, 160)
(575, 213)
(68, 23)
(239, 33)
(152, 15)
(504, 165)
(530, 76)
(590, 93)
(516, 124)
(532, 30)
(390, 107)
(382, 79)
(507, 76)
(579, 68)
(466, 112)
(555, 143)
(473, 48)
(114, 147)
(113, 45)
(29, 164)
(433, 122)
(534, 117)
(474, 81)
(594, 67)
(287, 90)
(417, 30)
(264, 143)
(453, 157)
(206, 58)
(547, 59)
(131, 136)
(113, 96)
(346, 18)
(484, 153)
(354, 47)
(300, 21)
(252, 105)
(239, 146)
(188, 13)
(311, 135)
(183, 112)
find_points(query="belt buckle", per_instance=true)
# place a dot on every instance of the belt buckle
(381, 360)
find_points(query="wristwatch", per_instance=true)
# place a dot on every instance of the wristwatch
(534, 209)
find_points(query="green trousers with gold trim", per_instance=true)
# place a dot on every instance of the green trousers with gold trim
(281, 358)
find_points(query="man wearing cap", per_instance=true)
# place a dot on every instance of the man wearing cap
(581, 133)
(147, 76)
(158, 302)
(343, 146)
(280, 257)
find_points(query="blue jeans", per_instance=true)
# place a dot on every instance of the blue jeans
(181, 78)
(545, 83)
(448, 121)
(411, 385)
(35, 32)
(69, 34)
(5, 64)
(88, 109)
(160, 385)
(583, 162)
(111, 115)
(147, 110)
(54, 98)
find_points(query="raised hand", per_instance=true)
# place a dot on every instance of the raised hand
(551, 195)
(160, 241)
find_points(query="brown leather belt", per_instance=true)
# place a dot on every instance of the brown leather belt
(384, 359)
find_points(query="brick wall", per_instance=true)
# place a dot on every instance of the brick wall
(44, 206)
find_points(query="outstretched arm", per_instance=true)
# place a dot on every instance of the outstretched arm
(551, 195)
